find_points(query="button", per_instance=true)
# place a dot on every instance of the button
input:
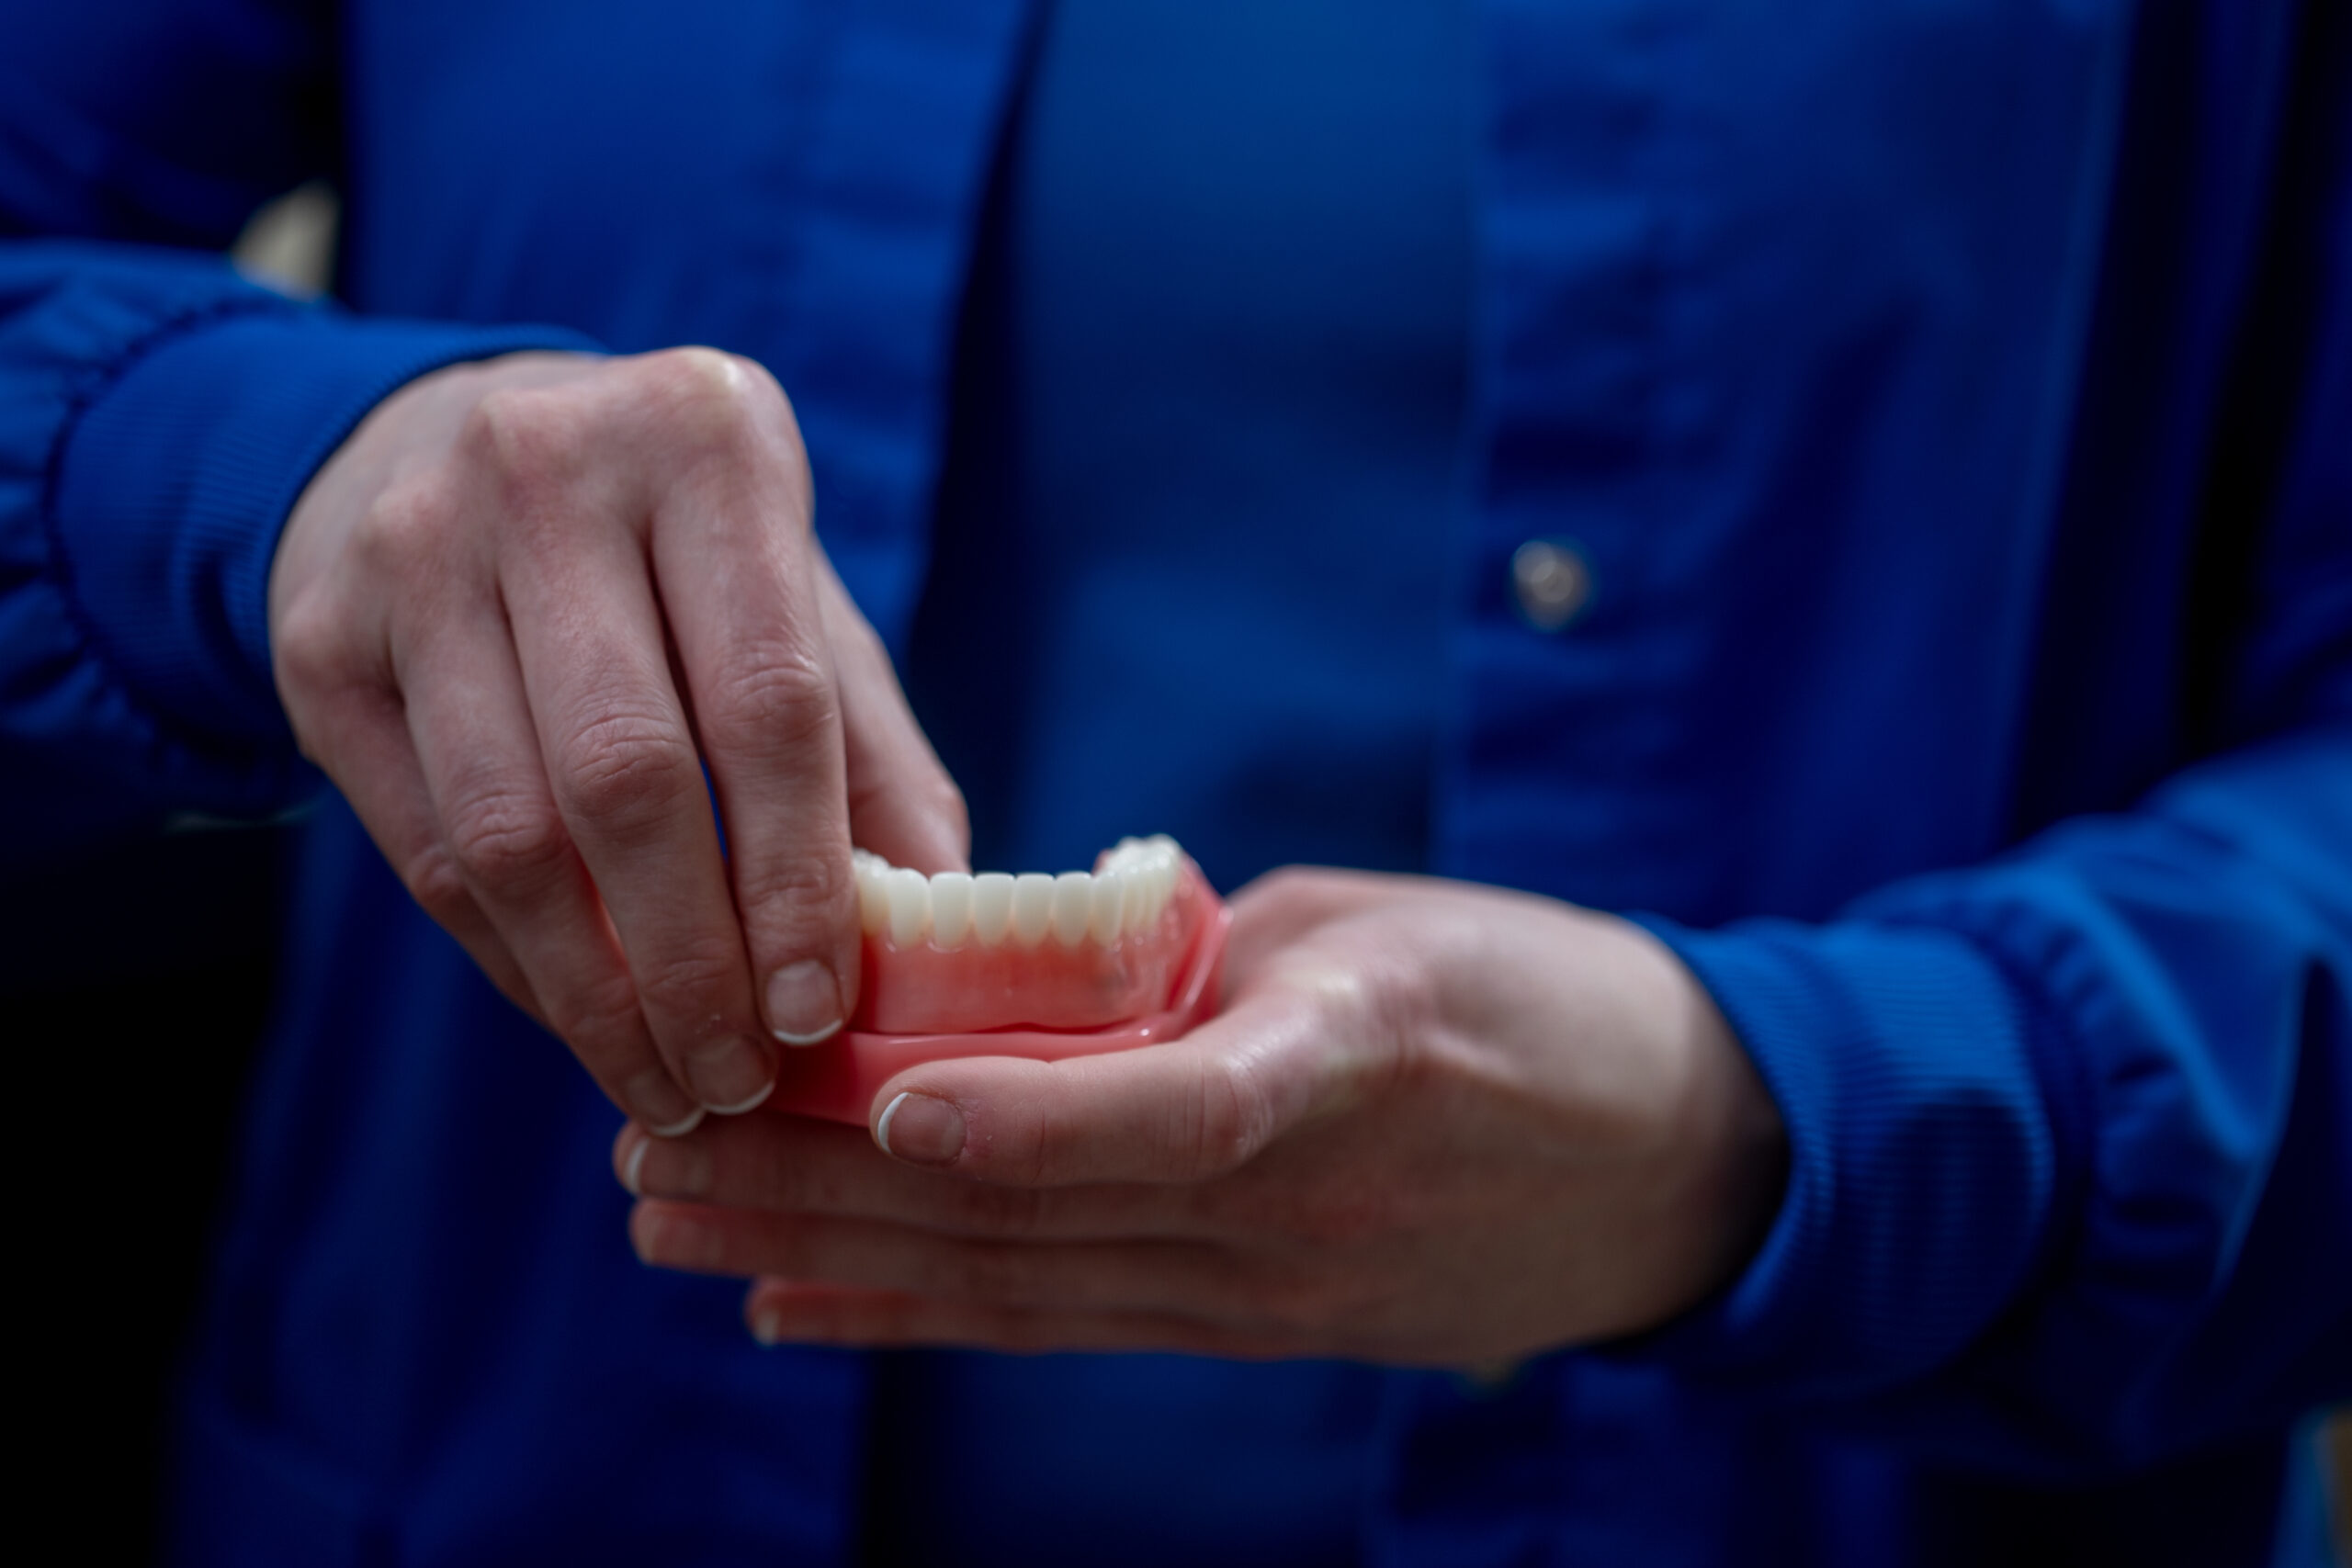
(1552, 582)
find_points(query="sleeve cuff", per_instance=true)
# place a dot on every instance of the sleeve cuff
(1923, 1154)
(174, 481)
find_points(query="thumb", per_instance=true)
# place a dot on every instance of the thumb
(1188, 1111)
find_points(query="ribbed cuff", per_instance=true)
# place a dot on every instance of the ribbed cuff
(176, 480)
(1922, 1160)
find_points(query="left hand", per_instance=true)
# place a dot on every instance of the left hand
(1437, 1125)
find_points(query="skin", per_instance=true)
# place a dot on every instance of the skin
(1436, 1124)
(517, 614)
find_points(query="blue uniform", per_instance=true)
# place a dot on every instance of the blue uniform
(1949, 404)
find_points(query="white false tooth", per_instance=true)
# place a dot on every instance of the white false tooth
(1073, 907)
(873, 899)
(910, 893)
(1108, 917)
(951, 908)
(1127, 893)
(992, 906)
(1033, 907)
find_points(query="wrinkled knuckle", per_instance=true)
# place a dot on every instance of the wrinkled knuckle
(779, 703)
(628, 774)
(501, 838)
(799, 891)
(683, 982)
(1222, 1122)
(600, 1019)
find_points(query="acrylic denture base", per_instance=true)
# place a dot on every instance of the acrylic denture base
(1042, 967)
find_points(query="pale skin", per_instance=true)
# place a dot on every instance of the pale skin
(515, 616)
(1436, 1123)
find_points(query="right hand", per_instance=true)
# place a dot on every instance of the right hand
(517, 614)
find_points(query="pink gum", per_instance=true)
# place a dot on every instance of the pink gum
(839, 1079)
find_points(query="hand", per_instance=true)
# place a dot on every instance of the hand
(516, 617)
(1437, 1125)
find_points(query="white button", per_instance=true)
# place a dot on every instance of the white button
(1551, 581)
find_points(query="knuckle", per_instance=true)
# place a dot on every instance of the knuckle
(1220, 1123)
(796, 892)
(774, 702)
(502, 837)
(679, 982)
(314, 650)
(598, 1019)
(434, 880)
(411, 530)
(623, 771)
(536, 440)
(708, 399)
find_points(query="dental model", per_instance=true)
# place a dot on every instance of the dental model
(1038, 966)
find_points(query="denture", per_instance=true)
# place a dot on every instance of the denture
(1036, 967)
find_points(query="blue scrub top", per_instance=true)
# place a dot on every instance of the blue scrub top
(1222, 292)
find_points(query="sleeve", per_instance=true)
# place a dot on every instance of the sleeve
(2070, 1134)
(159, 415)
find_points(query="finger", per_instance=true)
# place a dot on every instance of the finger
(733, 562)
(1185, 1111)
(1193, 1278)
(790, 1165)
(902, 805)
(375, 766)
(627, 781)
(783, 1312)
(506, 842)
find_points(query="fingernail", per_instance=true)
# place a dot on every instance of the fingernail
(766, 1327)
(741, 1106)
(921, 1129)
(654, 1101)
(681, 1126)
(644, 1234)
(729, 1076)
(670, 1170)
(804, 1003)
